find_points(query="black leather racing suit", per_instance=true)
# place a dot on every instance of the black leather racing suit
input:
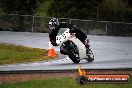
(79, 34)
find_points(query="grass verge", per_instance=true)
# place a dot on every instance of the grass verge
(10, 54)
(60, 83)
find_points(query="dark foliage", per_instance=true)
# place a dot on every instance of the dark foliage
(20, 6)
(112, 10)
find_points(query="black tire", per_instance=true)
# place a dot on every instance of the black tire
(90, 56)
(72, 51)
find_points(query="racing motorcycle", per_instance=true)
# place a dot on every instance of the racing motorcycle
(73, 47)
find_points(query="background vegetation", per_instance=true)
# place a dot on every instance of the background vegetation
(112, 10)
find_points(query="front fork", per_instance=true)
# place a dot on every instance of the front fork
(62, 49)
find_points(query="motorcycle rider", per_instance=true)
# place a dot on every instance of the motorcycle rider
(55, 25)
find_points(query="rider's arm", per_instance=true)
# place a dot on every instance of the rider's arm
(78, 33)
(73, 28)
(52, 35)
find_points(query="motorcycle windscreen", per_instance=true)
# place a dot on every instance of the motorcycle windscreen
(62, 35)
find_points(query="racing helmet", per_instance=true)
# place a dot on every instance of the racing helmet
(53, 23)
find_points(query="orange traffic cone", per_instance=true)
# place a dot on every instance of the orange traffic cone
(51, 52)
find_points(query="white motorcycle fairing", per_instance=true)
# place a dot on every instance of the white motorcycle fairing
(80, 46)
(65, 36)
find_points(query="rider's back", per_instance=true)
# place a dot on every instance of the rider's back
(73, 29)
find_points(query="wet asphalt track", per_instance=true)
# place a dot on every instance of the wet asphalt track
(110, 52)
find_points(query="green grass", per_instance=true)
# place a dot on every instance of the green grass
(10, 54)
(60, 83)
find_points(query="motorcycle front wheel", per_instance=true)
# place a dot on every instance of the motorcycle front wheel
(72, 51)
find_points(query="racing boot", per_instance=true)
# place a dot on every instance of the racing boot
(89, 53)
(87, 45)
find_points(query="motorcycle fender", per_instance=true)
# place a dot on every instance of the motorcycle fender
(81, 47)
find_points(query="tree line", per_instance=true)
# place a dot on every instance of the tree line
(111, 10)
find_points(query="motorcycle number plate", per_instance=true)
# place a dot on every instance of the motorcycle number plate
(62, 37)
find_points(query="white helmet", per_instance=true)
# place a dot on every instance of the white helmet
(53, 23)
